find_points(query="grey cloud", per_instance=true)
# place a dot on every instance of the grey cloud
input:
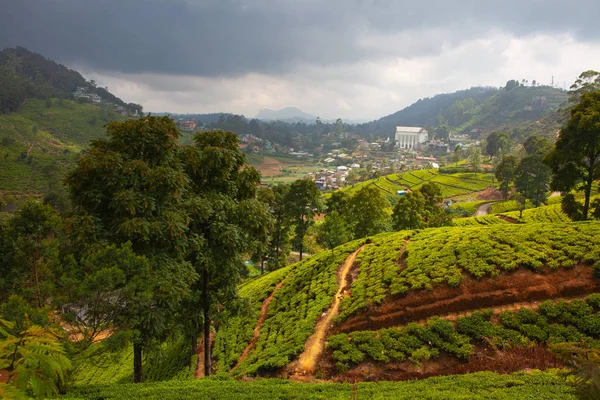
(233, 37)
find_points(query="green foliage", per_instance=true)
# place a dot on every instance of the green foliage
(448, 255)
(226, 221)
(555, 322)
(101, 364)
(452, 184)
(303, 201)
(29, 253)
(35, 359)
(307, 292)
(61, 133)
(584, 362)
(236, 331)
(365, 213)
(130, 187)
(575, 159)
(408, 211)
(532, 178)
(497, 143)
(505, 173)
(546, 214)
(475, 221)
(333, 231)
(478, 386)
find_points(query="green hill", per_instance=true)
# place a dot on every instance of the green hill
(397, 282)
(41, 140)
(26, 75)
(48, 114)
(485, 109)
(452, 185)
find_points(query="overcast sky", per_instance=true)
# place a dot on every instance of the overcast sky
(354, 59)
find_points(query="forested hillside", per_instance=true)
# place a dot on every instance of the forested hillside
(482, 108)
(25, 75)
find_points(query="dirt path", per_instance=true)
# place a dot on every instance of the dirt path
(532, 305)
(507, 219)
(314, 345)
(261, 320)
(519, 286)
(483, 209)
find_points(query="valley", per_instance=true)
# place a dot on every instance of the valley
(448, 250)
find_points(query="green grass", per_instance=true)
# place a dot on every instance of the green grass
(478, 386)
(171, 360)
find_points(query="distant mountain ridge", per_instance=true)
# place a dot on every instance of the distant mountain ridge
(290, 114)
(483, 109)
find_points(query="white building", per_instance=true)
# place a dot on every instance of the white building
(410, 137)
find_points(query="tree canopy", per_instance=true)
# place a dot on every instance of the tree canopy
(575, 159)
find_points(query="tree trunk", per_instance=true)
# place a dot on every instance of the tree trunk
(206, 310)
(300, 251)
(588, 191)
(194, 344)
(262, 266)
(36, 277)
(137, 363)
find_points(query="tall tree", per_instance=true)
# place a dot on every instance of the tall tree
(505, 173)
(365, 213)
(303, 201)
(32, 246)
(226, 219)
(474, 157)
(532, 178)
(337, 202)
(279, 242)
(588, 81)
(129, 187)
(333, 231)
(408, 211)
(433, 214)
(575, 159)
(497, 142)
(536, 144)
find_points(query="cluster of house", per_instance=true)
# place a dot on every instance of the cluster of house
(333, 178)
(84, 93)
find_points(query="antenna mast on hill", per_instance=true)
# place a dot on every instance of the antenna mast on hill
(552, 81)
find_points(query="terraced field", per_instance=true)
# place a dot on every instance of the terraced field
(551, 213)
(451, 184)
(398, 298)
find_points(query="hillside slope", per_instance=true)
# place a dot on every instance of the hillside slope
(399, 279)
(41, 140)
(483, 108)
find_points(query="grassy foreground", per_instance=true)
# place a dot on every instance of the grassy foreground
(482, 385)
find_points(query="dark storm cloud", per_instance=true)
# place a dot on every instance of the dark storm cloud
(234, 37)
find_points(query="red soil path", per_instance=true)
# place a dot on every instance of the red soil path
(261, 320)
(313, 348)
(509, 288)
